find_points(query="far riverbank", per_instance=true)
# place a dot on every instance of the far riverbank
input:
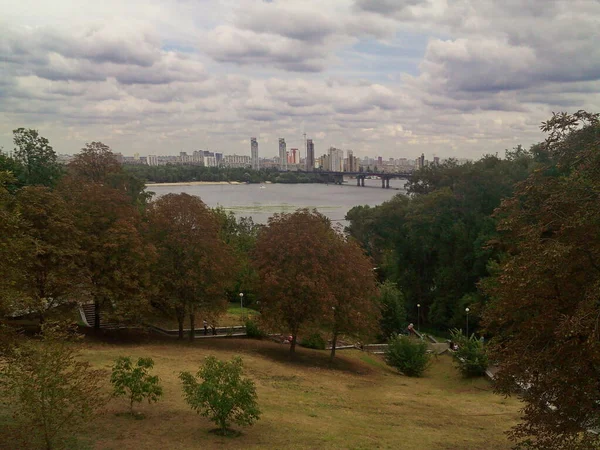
(194, 183)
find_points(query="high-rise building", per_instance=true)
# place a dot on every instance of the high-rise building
(282, 155)
(254, 153)
(310, 155)
(351, 166)
(336, 159)
(295, 156)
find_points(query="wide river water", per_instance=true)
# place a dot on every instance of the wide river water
(262, 201)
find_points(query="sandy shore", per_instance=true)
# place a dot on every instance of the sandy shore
(194, 183)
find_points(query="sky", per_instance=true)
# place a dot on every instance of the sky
(391, 78)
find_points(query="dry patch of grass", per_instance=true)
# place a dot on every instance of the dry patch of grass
(359, 404)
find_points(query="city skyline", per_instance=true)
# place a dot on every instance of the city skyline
(389, 78)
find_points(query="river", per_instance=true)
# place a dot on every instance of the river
(262, 201)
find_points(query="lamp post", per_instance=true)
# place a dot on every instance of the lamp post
(242, 305)
(419, 317)
(467, 311)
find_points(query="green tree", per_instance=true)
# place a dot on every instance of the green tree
(240, 234)
(134, 381)
(407, 355)
(393, 311)
(543, 313)
(12, 172)
(222, 394)
(434, 244)
(36, 157)
(470, 358)
(50, 390)
(194, 266)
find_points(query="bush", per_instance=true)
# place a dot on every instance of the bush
(407, 355)
(223, 395)
(50, 391)
(253, 331)
(134, 382)
(315, 341)
(470, 358)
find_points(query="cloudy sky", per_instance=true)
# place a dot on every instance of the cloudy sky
(382, 77)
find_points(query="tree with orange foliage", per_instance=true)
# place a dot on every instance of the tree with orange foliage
(295, 256)
(96, 163)
(47, 267)
(116, 258)
(355, 309)
(194, 266)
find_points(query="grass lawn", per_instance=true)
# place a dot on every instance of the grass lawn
(233, 317)
(359, 404)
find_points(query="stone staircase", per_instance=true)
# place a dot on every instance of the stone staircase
(88, 316)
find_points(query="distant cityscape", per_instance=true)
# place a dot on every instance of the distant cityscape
(334, 160)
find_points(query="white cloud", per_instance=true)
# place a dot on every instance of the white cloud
(156, 77)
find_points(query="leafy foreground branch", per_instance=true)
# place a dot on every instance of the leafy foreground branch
(223, 395)
(50, 391)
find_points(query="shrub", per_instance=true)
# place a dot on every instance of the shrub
(470, 358)
(315, 340)
(50, 391)
(407, 355)
(253, 331)
(134, 382)
(223, 395)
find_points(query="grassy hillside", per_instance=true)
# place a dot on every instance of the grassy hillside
(359, 404)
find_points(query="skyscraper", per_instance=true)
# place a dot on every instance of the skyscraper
(336, 159)
(282, 155)
(351, 167)
(310, 155)
(254, 153)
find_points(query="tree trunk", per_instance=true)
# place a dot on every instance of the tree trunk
(333, 342)
(180, 319)
(293, 345)
(96, 315)
(192, 329)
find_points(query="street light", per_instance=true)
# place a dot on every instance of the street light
(467, 310)
(419, 317)
(242, 305)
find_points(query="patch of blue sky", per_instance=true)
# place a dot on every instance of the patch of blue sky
(178, 47)
(382, 61)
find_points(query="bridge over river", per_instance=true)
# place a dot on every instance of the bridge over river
(385, 177)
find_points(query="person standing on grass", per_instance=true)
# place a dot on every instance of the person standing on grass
(205, 323)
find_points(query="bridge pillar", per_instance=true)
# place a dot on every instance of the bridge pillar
(358, 181)
(382, 183)
(362, 181)
(387, 183)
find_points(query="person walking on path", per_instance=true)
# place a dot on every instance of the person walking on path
(205, 323)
